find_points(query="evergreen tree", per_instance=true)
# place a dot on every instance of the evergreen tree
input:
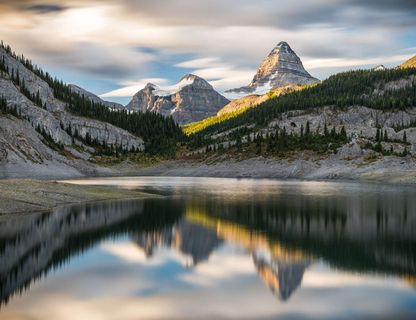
(308, 129)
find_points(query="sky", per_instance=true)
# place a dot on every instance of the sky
(114, 47)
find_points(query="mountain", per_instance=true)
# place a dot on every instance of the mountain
(94, 98)
(192, 99)
(411, 63)
(50, 129)
(281, 67)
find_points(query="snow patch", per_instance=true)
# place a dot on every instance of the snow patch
(170, 90)
(261, 90)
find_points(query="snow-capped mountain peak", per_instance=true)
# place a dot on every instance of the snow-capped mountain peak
(281, 67)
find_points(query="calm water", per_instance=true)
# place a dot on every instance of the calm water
(216, 248)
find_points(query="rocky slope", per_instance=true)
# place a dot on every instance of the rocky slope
(192, 99)
(24, 151)
(281, 67)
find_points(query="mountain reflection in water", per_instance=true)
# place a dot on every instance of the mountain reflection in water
(284, 232)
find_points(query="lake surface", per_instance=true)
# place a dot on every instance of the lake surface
(216, 249)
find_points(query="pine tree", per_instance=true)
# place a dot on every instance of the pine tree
(308, 129)
(326, 132)
(343, 133)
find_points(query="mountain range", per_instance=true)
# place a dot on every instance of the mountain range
(50, 129)
(191, 99)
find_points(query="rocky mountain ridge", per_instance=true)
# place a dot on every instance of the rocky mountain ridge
(192, 99)
(96, 99)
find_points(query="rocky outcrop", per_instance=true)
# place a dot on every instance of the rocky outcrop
(192, 99)
(281, 67)
(94, 98)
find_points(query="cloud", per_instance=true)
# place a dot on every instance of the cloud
(223, 41)
(130, 88)
(199, 63)
(354, 63)
(221, 76)
(46, 8)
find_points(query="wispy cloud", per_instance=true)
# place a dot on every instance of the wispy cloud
(355, 63)
(130, 88)
(46, 8)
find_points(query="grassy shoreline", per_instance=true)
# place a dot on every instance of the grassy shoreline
(24, 196)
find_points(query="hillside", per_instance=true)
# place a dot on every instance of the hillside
(47, 129)
(237, 107)
(359, 119)
(383, 90)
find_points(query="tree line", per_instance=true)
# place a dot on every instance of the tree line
(280, 141)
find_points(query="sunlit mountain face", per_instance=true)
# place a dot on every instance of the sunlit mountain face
(290, 252)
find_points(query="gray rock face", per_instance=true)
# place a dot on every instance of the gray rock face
(94, 98)
(281, 67)
(192, 99)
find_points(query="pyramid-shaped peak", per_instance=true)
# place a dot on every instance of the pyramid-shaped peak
(280, 68)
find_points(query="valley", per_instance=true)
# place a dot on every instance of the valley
(358, 124)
